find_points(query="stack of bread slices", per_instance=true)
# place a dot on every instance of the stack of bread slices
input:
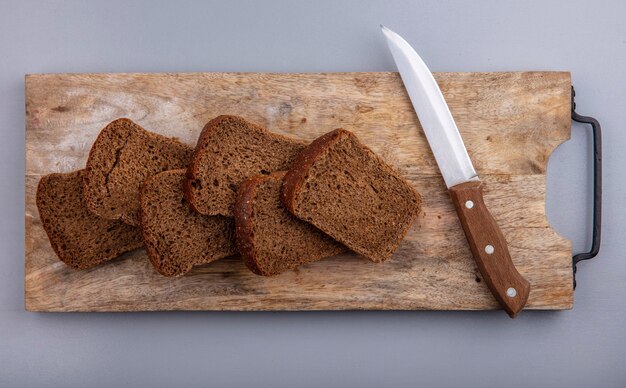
(275, 201)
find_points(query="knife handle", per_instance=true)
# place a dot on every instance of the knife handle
(489, 247)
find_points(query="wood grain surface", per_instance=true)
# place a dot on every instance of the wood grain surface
(510, 122)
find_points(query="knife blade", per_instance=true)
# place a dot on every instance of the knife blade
(487, 243)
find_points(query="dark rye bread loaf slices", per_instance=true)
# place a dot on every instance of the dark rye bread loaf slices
(269, 238)
(176, 237)
(343, 188)
(228, 151)
(121, 158)
(79, 238)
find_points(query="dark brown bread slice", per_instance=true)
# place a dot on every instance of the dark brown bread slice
(230, 150)
(348, 192)
(121, 158)
(81, 239)
(269, 238)
(178, 238)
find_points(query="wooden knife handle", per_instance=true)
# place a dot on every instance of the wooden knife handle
(489, 247)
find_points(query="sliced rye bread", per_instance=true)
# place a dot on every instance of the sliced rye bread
(343, 188)
(269, 238)
(229, 150)
(121, 158)
(177, 238)
(79, 238)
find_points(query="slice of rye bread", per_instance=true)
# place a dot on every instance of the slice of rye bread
(177, 238)
(343, 188)
(229, 150)
(80, 239)
(269, 238)
(121, 158)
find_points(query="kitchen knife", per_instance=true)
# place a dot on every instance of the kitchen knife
(486, 241)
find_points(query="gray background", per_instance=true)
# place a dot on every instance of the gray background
(583, 347)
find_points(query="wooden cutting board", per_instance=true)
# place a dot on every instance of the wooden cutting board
(510, 122)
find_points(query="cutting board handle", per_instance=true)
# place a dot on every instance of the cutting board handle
(597, 186)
